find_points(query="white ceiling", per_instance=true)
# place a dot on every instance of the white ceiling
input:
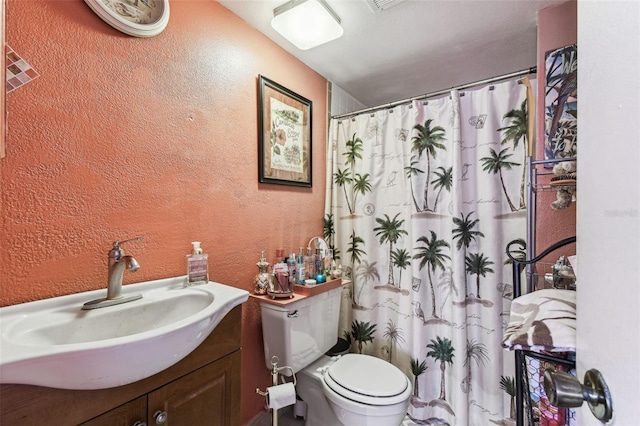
(414, 47)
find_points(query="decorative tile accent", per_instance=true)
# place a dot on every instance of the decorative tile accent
(19, 72)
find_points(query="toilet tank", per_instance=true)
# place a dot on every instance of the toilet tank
(302, 331)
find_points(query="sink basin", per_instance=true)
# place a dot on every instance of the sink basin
(54, 343)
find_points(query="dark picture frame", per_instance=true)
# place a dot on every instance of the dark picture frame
(284, 135)
(561, 103)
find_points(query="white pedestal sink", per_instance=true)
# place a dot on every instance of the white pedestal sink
(54, 343)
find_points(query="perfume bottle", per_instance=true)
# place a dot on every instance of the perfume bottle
(262, 281)
(300, 268)
(309, 264)
(318, 263)
(328, 263)
(197, 266)
(291, 266)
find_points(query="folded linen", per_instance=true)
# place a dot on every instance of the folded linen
(542, 321)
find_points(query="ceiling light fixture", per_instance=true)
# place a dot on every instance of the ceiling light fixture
(307, 23)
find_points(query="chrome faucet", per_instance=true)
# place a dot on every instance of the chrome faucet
(117, 262)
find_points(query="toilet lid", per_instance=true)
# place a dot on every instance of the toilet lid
(367, 379)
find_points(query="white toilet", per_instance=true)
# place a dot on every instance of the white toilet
(349, 390)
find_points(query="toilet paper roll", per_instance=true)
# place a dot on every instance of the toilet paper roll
(281, 396)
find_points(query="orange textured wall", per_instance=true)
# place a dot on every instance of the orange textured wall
(124, 136)
(557, 27)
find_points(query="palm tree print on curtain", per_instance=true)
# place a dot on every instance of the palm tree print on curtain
(478, 265)
(476, 352)
(431, 255)
(390, 231)
(417, 369)
(464, 234)
(513, 133)
(395, 336)
(443, 180)
(358, 182)
(363, 272)
(442, 351)
(411, 171)
(426, 256)
(427, 141)
(508, 384)
(328, 231)
(401, 259)
(362, 332)
(495, 163)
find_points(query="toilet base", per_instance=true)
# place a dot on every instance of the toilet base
(309, 388)
(321, 411)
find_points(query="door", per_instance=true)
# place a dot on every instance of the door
(125, 415)
(209, 396)
(608, 209)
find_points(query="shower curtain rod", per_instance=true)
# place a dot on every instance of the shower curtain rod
(531, 70)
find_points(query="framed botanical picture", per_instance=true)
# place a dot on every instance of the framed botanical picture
(139, 18)
(284, 135)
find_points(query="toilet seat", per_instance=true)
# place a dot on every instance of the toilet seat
(368, 380)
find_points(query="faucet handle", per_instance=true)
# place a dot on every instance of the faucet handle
(116, 252)
(116, 244)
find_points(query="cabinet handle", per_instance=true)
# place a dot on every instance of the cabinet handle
(139, 423)
(160, 417)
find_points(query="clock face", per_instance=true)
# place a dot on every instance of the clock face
(136, 11)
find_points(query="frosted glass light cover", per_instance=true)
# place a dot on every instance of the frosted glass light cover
(306, 25)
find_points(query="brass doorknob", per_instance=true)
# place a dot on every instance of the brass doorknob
(565, 390)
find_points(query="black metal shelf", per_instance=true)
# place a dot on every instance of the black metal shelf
(522, 379)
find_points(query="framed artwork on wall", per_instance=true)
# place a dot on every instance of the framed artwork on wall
(561, 103)
(139, 18)
(284, 135)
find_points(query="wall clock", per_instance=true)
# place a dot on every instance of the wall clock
(139, 18)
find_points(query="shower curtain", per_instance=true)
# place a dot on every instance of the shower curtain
(422, 200)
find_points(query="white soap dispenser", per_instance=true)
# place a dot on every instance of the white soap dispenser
(197, 266)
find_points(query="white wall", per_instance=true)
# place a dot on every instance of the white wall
(342, 102)
(608, 215)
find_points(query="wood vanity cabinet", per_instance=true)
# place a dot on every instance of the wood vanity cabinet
(127, 414)
(203, 389)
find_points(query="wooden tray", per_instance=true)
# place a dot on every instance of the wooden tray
(312, 290)
(300, 292)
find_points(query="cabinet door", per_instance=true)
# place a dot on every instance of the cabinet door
(125, 415)
(209, 396)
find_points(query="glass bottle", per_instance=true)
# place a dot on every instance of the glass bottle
(262, 280)
(309, 264)
(300, 268)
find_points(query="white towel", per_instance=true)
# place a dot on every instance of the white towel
(543, 320)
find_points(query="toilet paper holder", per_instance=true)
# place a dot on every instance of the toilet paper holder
(275, 372)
